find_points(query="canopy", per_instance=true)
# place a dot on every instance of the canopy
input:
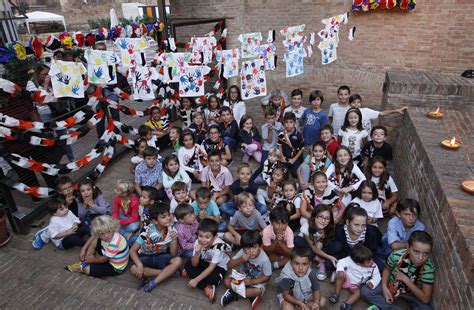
(38, 16)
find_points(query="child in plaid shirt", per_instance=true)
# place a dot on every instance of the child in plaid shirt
(187, 228)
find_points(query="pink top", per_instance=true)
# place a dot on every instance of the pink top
(132, 212)
(269, 235)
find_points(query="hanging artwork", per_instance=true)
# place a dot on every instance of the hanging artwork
(268, 54)
(328, 51)
(230, 60)
(294, 37)
(336, 21)
(253, 79)
(294, 62)
(249, 43)
(202, 49)
(67, 80)
(175, 61)
(101, 67)
(132, 51)
(191, 81)
(142, 82)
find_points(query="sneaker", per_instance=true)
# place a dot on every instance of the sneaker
(321, 274)
(373, 307)
(333, 277)
(76, 267)
(228, 297)
(210, 292)
(255, 301)
(334, 298)
(38, 242)
(345, 306)
(147, 288)
(184, 274)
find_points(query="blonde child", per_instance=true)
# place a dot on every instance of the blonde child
(386, 187)
(211, 113)
(315, 161)
(140, 146)
(246, 218)
(367, 198)
(125, 208)
(173, 172)
(91, 202)
(352, 135)
(250, 139)
(106, 253)
(275, 157)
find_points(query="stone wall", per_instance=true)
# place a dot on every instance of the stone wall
(432, 175)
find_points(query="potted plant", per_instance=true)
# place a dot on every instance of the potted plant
(5, 235)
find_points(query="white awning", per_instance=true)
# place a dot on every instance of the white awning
(38, 16)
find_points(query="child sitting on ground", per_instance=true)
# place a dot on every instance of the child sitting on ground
(278, 238)
(315, 161)
(148, 198)
(353, 273)
(199, 127)
(235, 103)
(277, 101)
(402, 226)
(292, 203)
(246, 218)
(386, 187)
(409, 275)
(250, 139)
(217, 178)
(172, 173)
(377, 147)
(139, 146)
(154, 251)
(299, 284)
(205, 207)
(296, 107)
(146, 133)
(329, 141)
(187, 228)
(180, 195)
(229, 128)
(367, 198)
(125, 208)
(216, 143)
(149, 172)
(106, 253)
(208, 265)
(291, 143)
(91, 203)
(158, 123)
(175, 134)
(211, 112)
(275, 157)
(256, 267)
(65, 229)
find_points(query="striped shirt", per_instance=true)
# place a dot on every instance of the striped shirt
(351, 243)
(117, 251)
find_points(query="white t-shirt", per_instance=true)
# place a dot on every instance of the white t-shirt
(359, 275)
(338, 113)
(66, 79)
(142, 82)
(298, 113)
(215, 256)
(238, 109)
(373, 208)
(390, 184)
(367, 116)
(58, 224)
(353, 139)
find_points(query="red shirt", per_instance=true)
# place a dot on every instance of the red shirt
(332, 147)
(131, 213)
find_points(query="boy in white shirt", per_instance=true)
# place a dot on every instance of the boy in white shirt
(338, 110)
(353, 272)
(296, 108)
(64, 227)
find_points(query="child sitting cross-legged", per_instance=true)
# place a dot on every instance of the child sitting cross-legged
(125, 209)
(205, 207)
(255, 265)
(187, 228)
(208, 265)
(217, 178)
(180, 195)
(149, 172)
(299, 284)
(353, 272)
(106, 252)
(278, 237)
(246, 218)
(147, 198)
(154, 252)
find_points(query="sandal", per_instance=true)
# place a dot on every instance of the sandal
(334, 298)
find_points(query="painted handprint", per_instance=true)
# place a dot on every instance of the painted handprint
(62, 78)
(131, 49)
(75, 89)
(98, 72)
(123, 44)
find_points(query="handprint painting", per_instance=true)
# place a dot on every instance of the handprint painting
(191, 81)
(253, 79)
(101, 67)
(67, 80)
(132, 51)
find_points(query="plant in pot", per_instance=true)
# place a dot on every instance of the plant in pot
(5, 235)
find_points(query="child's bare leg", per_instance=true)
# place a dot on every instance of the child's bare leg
(354, 297)
(341, 277)
(86, 270)
(220, 200)
(286, 305)
(169, 270)
(322, 302)
(231, 238)
(147, 272)
(253, 292)
(227, 282)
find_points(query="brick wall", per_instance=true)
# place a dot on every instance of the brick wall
(432, 175)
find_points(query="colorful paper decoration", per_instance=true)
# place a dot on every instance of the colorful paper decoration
(328, 51)
(253, 80)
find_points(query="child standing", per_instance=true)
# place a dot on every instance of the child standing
(154, 251)
(367, 198)
(217, 178)
(211, 113)
(409, 275)
(250, 139)
(355, 272)
(315, 161)
(255, 265)
(106, 253)
(386, 187)
(187, 228)
(125, 208)
(235, 103)
(246, 218)
(330, 143)
(338, 110)
(229, 128)
(352, 135)
(208, 265)
(313, 118)
(173, 172)
(199, 127)
(378, 147)
(91, 203)
(295, 107)
(278, 238)
(158, 123)
(216, 143)
(64, 227)
(191, 156)
(140, 146)
(291, 144)
(299, 284)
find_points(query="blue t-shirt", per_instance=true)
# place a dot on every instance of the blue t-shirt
(211, 210)
(313, 121)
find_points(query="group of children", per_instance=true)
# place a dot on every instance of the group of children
(311, 208)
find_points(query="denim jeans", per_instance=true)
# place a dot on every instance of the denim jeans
(375, 297)
(229, 208)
